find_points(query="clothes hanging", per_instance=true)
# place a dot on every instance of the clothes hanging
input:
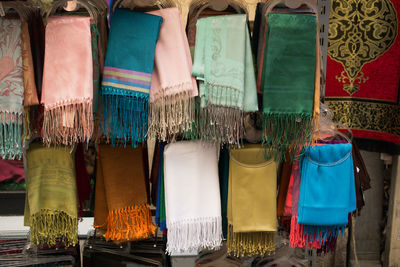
(171, 110)
(127, 75)
(192, 199)
(121, 207)
(227, 85)
(68, 81)
(51, 206)
(11, 89)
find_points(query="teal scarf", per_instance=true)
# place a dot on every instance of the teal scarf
(288, 80)
(127, 75)
(11, 89)
(223, 64)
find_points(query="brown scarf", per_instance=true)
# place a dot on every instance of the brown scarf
(121, 197)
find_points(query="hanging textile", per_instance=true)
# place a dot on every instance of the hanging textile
(227, 85)
(121, 207)
(362, 88)
(323, 212)
(161, 219)
(252, 183)
(127, 75)
(288, 81)
(83, 186)
(171, 110)
(11, 89)
(68, 81)
(223, 171)
(51, 206)
(192, 198)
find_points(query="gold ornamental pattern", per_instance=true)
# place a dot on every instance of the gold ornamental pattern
(359, 32)
(370, 116)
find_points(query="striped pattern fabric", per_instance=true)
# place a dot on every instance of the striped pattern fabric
(127, 79)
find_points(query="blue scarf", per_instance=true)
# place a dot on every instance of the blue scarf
(127, 75)
(327, 189)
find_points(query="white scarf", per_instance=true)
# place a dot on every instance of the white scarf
(192, 197)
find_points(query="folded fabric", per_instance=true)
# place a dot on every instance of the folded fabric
(288, 81)
(67, 92)
(192, 199)
(223, 64)
(127, 75)
(51, 206)
(11, 89)
(251, 202)
(172, 92)
(121, 206)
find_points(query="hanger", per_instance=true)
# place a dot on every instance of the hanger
(217, 5)
(132, 4)
(292, 4)
(79, 3)
(21, 9)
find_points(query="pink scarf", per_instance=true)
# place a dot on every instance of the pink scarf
(67, 81)
(172, 88)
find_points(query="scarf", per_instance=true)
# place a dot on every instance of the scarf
(173, 88)
(51, 208)
(127, 75)
(11, 89)
(362, 89)
(83, 186)
(323, 212)
(30, 93)
(251, 202)
(121, 201)
(37, 32)
(223, 171)
(193, 205)
(67, 81)
(223, 64)
(160, 211)
(288, 102)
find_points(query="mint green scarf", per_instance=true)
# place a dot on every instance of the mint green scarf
(223, 64)
(288, 80)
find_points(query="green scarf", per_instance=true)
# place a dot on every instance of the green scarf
(51, 206)
(288, 80)
(223, 64)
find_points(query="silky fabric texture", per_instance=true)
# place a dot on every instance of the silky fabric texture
(223, 171)
(172, 87)
(227, 85)
(51, 208)
(83, 186)
(192, 198)
(252, 183)
(127, 75)
(160, 211)
(121, 206)
(323, 168)
(30, 93)
(67, 92)
(11, 89)
(287, 101)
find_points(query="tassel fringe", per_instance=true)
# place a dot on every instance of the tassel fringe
(11, 133)
(286, 132)
(312, 236)
(250, 243)
(194, 234)
(68, 123)
(124, 115)
(48, 227)
(170, 116)
(129, 224)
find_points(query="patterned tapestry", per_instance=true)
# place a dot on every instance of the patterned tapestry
(362, 83)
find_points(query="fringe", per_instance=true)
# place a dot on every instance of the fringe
(312, 236)
(49, 226)
(286, 133)
(170, 116)
(194, 234)
(129, 224)
(221, 115)
(250, 243)
(11, 135)
(68, 123)
(125, 115)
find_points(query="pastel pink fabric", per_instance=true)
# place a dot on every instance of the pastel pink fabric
(173, 64)
(68, 67)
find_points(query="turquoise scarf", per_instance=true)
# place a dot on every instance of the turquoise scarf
(127, 75)
(223, 64)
